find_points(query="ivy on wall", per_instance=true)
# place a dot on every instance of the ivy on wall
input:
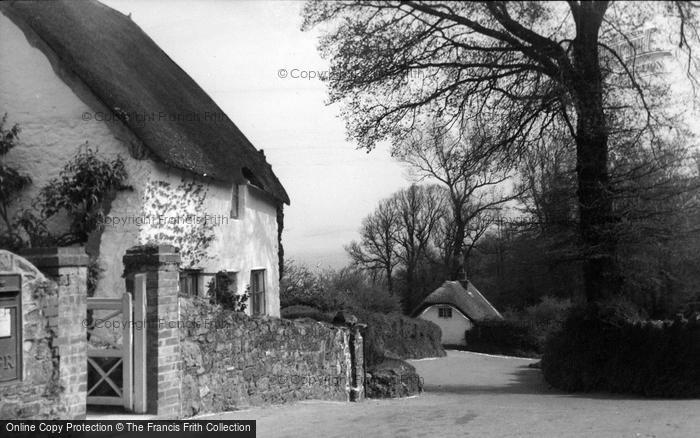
(173, 215)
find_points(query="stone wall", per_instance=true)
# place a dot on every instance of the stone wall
(51, 376)
(199, 357)
(230, 360)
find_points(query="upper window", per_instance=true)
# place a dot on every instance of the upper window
(235, 202)
(445, 312)
(257, 292)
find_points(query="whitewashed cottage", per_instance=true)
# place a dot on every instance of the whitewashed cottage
(78, 71)
(456, 307)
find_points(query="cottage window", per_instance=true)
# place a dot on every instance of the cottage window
(257, 292)
(445, 312)
(189, 282)
(217, 286)
(235, 201)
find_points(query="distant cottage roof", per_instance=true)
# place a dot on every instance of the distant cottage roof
(131, 75)
(469, 301)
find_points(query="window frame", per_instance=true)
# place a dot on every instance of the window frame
(257, 295)
(232, 277)
(235, 211)
(445, 312)
(192, 276)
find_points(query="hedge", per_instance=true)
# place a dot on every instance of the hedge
(649, 358)
(395, 336)
(387, 336)
(301, 311)
(522, 332)
(507, 337)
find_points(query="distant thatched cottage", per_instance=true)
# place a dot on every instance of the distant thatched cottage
(79, 71)
(456, 307)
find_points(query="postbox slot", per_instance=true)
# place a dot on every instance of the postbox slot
(10, 283)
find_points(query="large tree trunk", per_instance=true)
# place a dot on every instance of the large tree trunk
(456, 269)
(389, 280)
(600, 271)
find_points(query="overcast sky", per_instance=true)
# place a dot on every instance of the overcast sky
(235, 50)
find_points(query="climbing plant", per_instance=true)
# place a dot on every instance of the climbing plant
(173, 215)
(11, 184)
(83, 190)
(221, 290)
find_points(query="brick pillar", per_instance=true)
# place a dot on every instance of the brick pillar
(68, 268)
(160, 264)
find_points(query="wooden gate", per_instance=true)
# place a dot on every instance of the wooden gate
(116, 349)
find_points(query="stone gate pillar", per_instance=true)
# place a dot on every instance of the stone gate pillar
(160, 263)
(357, 387)
(67, 266)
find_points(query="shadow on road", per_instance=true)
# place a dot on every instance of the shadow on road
(523, 381)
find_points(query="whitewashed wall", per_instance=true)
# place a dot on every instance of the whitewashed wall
(453, 329)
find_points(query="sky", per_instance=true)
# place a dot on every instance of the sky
(252, 58)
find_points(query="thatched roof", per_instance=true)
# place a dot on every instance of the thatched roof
(469, 301)
(130, 74)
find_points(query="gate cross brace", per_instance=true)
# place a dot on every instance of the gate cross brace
(105, 376)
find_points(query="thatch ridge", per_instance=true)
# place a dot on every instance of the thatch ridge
(467, 300)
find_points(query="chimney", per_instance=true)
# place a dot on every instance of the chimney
(462, 277)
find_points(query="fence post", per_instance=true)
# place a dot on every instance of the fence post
(139, 304)
(127, 355)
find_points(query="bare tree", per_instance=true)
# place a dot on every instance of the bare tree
(521, 66)
(548, 182)
(376, 250)
(399, 232)
(420, 210)
(472, 175)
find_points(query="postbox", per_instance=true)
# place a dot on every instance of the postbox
(10, 328)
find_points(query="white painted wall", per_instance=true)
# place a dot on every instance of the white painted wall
(49, 104)
(453, 329)
(240, 245)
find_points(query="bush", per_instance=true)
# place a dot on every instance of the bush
(373, 299)
(84, 190)
(546, 318)
(94, 273)
(220, 291)
(395, 336)
(389, 335)
(598, 350)
(298, 285)
(332, 291)
(301, 311)
(522, 333)
(392, 378)
(386, 337)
